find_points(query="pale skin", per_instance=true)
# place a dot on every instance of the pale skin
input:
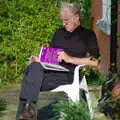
(71, 22)
(77, 61)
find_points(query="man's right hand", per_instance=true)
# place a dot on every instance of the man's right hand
(33, 59)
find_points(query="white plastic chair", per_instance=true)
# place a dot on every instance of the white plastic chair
(73, 90)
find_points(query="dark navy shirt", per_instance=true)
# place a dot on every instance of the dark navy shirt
(76, 44)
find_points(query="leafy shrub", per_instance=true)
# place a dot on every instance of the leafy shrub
(71, 111)
(2, 83)
(24, 26)
(93, 75)
(86, 16)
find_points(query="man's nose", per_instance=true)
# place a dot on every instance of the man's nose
(65, 23)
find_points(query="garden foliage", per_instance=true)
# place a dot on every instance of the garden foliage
(24, 26)
(68, 110)
(94, 75)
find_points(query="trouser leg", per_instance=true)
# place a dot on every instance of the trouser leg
(53, 79)
(36, 79)
(31, 84)
(33, 77)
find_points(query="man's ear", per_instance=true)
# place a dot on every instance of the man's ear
(77, 17)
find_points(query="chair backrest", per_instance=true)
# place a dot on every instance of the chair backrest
(73, 90)
(76, 75)
(83, 84)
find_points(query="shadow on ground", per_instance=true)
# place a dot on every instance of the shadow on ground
(46, 113)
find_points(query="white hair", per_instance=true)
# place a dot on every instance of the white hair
(70, 7)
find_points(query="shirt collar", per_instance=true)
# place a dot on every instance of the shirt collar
(76, 29)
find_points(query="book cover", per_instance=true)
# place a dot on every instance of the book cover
(49, 55)
(49, 59)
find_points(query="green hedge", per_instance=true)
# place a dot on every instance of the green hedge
(24, 26)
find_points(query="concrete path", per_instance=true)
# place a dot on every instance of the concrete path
(11, 93)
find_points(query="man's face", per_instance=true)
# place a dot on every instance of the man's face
(69, 20)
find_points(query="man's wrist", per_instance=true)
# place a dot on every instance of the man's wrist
(70, 60)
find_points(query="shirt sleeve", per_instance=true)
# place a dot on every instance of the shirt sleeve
(93, 48)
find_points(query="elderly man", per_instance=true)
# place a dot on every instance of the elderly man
(76, 42)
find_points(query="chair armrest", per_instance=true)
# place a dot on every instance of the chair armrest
(76, 74)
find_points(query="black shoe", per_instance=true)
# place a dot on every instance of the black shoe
(30, 113)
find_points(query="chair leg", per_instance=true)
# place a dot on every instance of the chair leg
(89, 104)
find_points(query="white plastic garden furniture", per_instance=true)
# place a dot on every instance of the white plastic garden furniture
(73, 90)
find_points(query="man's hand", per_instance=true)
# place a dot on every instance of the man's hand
(33, 59)
(64, 56)
(76, 60)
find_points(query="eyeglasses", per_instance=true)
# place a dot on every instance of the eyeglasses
(68, 20)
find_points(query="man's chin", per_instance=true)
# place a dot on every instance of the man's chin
(69, 30)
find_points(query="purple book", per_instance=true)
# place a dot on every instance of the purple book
(49, 55)
(49, 59)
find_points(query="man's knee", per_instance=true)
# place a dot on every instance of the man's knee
(35, 65)
(33, 72)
